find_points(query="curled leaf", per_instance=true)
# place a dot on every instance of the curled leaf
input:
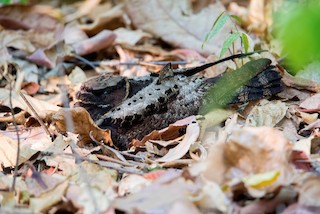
(78, 121)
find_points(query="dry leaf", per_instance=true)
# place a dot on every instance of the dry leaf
(102, 40)
(84, 9)
(41, 107)
(166, 195)
(152, 148)
(39, 183)
(192, 134)
(89, 200)
(78, 121)
(16, 40)
(298, 208)
(183, 206)
(130, 37)
(285, 196)
(213, 198)
(175, 23)
(29, 70)
(310, 192)
(31, 141)
(39, 17)
(289, 130)
(30, 87)
(77, 76)
(314, 125)
(49, 57)
(250, 151)
(104, 17)
(311, 102)
(46, 200)
(132, 184)
(171, 132)
(291, 93)
(72, 34)
(309, 118)
(267, 113)
(299, 83)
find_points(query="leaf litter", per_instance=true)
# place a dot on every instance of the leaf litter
(262, 158)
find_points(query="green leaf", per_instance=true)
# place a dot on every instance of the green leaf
(217, 26)
(236, 18)
(225, 89)
(5, 1)
(228, 42)
(245, 42)
(298, 30)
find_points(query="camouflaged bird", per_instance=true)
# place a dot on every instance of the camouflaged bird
(133, 107)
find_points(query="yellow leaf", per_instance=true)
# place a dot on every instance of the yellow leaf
(262, 180)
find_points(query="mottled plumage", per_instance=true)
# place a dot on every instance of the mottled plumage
(132, 108)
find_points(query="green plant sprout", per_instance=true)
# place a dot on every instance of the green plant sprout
(233, 36)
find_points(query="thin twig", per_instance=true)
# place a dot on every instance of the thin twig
(84, 176)
(125, 153)
(107, 164)
(106, 158)
(15, 174)
(36, 114)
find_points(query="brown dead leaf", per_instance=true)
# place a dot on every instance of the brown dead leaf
(311, 102)
(299, 83)
(183, 206)
(41, 107)
(285, 196)
(192, 134)
(5, 57)
(289, 130)
(309, 118)
(90, 200)
(8, 152)
(298, 208)
(29, 71)
(304, 145)
(30, 87)
(17, 40)
(310, 192)
(98, 42)
(31, 141)
(39, 183)
(314, 125)
(72, 34)
(166, 195)
(46, 200)
(20, 118)
(84, 9)
(249, 151)
(78, 121)
(77, 76)
(104, 17)
(174, 20)
(301, 160)
(40, 17)
(291, 93)
(49, 57)
(132, 184)
(257, 18)
(212, 197)
(169, 133)
(130, 37)
(267, 113)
